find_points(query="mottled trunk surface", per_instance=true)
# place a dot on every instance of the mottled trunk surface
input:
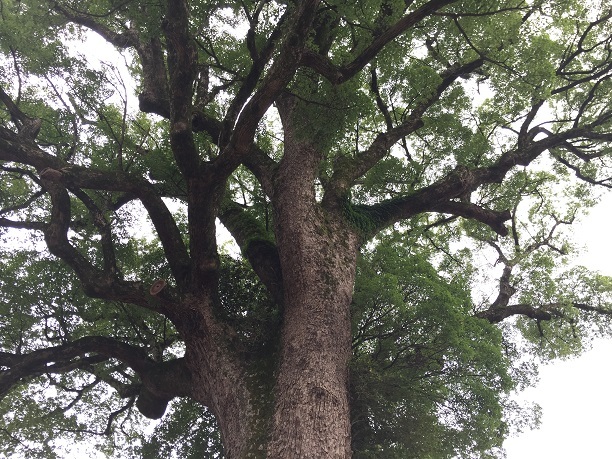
(311, 418)
(219, 384)
(297, 407)
(317, 254)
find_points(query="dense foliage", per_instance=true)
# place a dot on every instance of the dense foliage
(442, 149)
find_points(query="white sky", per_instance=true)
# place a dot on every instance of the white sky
(574, 394)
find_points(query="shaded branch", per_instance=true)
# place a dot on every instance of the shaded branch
(96, 283)
(104, 229)
(498, 314)
(6, 223)
(160, 381)
(155, 97)
(260, 60)
(257, 245)
(55, 170)
(120, 40)
(544, 312)
(68, 356)
(337, 75)
(274, 82)
(182, 72)
(28, 127)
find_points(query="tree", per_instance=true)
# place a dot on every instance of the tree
(395, 142)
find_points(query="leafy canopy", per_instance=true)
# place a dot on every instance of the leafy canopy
(459, 139)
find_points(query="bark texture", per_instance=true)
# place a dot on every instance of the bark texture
(317, 257)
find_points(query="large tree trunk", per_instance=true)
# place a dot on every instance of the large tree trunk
(298, 408)
(318, 256)
(311, 417)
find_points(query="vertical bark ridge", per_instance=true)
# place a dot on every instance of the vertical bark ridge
(311, 417)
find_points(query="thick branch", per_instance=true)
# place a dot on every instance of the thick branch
(257, 245)
(28, 127)
(497, 314)
(120, 40)
(462, 181)
(338, 75)
(275, 81)
(348, 171)
(96, 283)
(49, 359)
(14, 149)
(161, 381)
(155, 97)
(260, 60)
(257, 161)
(494, 219)
(6, 223)
(182, 72)
(543, 312)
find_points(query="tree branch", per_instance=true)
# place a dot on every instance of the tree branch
(348, 171)
(496, 314)
(182, 72)
(155, 97)
(260, 60)
(96, 283)
(338, 75)
(38, 226)
(257, 245)
(463, 180)
(104, 229)
(161, 381)
(28, 127)
(274, 82)
(494, 219)
(120, 40)
(54, 170)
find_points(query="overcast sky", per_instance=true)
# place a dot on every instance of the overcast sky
(574, 394)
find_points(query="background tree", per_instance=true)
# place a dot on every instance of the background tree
(367, 158)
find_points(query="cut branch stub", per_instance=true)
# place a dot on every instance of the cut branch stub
(157, 286)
